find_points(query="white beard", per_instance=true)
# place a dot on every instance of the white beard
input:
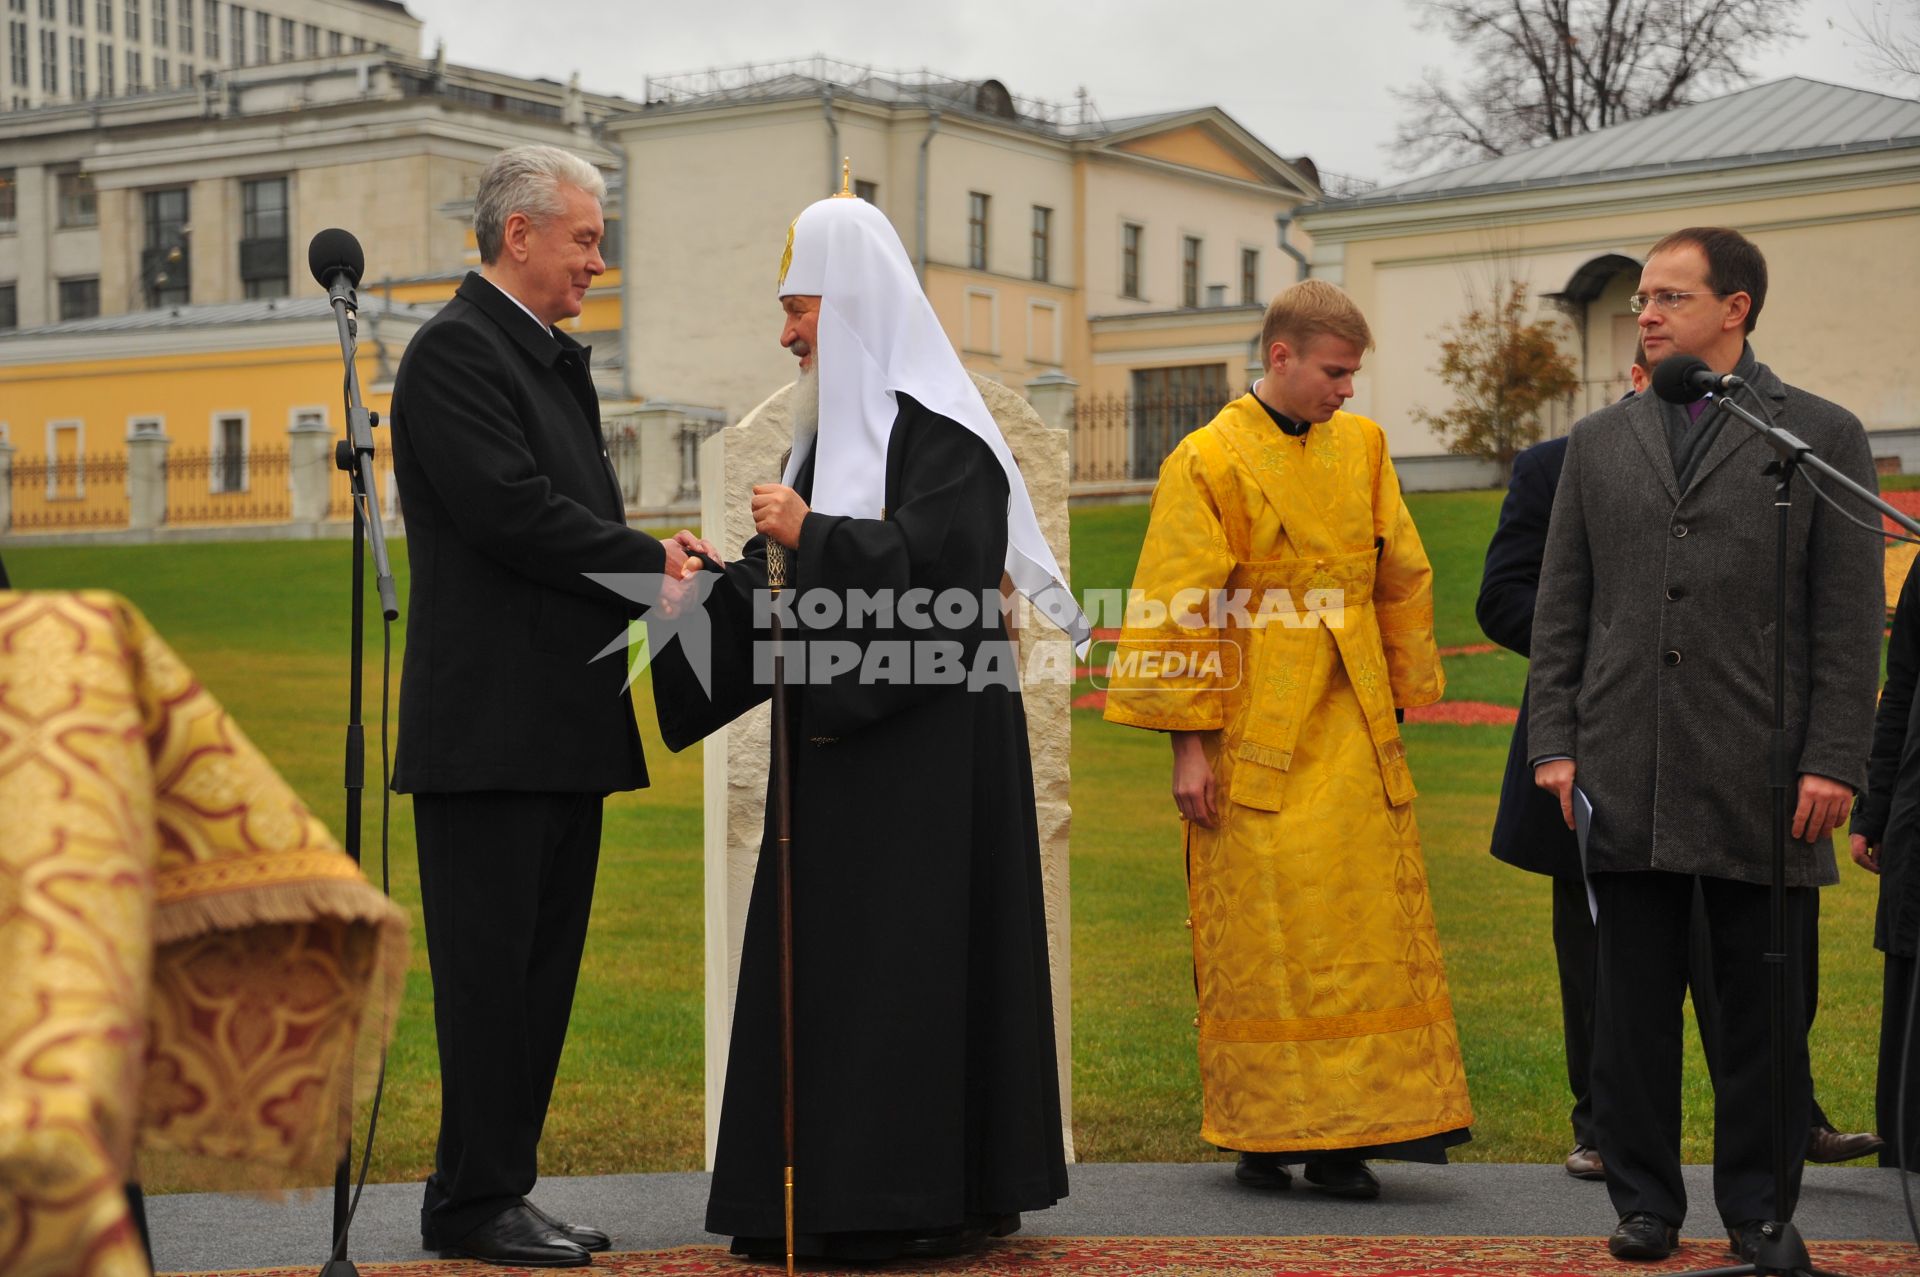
(804, 406)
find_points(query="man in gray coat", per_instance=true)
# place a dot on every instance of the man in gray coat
(1652, 689)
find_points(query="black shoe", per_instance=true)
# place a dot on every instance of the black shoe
(579, 1234)
(519, 1236)
(1262, 1170)
(1643, 1235)
(1343, 1177)
(1584, 1163)
(944, 1243)
(1827, 1146)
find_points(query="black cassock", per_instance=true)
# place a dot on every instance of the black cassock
(926, 1092)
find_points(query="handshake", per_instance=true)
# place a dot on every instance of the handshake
(778, 513)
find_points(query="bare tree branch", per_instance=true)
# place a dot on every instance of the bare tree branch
(1550, 69)
(1889, 35)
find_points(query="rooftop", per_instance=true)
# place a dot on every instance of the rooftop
(280, 310)
(809, 77)
(1792, 118)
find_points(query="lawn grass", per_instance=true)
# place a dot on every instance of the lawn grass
(265, 625)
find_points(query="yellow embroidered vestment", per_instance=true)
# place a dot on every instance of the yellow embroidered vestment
(1325, 1021)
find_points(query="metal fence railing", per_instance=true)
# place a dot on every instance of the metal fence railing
(69, 494)
(209, 485)
(1117, 438)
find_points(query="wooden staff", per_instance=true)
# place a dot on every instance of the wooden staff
(783, 864)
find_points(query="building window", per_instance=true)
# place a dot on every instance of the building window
(1042, 243)
(287, 28)
(76, 67)
(263, 243)
(103, 17)
(17, 54)
(310, 40)
(1129, 260)
(1168, 405)
(161, 35)
(212, 25)
(134, 77)
(76, 13)
(333, 42)
(229, 470)
(66, 446)
(236, 35)
(79, 298)
(262, 33)
(162, 73)
(613, 243)
(1189, 271)
(359, 44)
(106, 70)
(186, 75)
(1249, 277)
(868, 191)
(977, 230)
(186, 25)
(165, 263)
(133, 17)
(47, 8)
(49, 62)
(9, 189)
(9, 308)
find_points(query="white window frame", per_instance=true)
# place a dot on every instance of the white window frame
(217, 453)
(966, 320)
(79, 429)
(1120, 259)
(1052, 311)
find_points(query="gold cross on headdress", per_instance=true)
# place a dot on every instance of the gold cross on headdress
(846, 179)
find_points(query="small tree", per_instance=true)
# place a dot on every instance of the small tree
(1503, 369)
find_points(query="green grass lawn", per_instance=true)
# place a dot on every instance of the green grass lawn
(265, 625)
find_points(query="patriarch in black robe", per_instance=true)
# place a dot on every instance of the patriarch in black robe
(928, 1108)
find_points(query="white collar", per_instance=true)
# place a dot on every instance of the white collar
(545, 328)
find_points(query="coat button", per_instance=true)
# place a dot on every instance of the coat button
(1673, 658)
(1674, 592)
(1679, 529)
(1189, 924)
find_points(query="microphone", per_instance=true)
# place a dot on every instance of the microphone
(336, 261)
(1682, 379)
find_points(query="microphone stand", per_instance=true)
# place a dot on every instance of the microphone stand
(354, 454)
(1782, 1252)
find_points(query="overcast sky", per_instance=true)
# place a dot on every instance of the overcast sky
(1306, 78)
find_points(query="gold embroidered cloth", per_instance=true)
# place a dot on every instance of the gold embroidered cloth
(1325, 1020)
(188, 962)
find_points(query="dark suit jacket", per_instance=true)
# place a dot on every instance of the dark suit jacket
(1527, 831)
(1889, 812)
(509, 499)
(1653, 636)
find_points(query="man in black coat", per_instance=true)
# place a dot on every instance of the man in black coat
(1885, 839)
(1528, 831)
(511, 734)
(1651, 686)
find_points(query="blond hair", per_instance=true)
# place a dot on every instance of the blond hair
(1312, 308)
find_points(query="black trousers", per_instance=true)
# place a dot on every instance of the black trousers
(1644, 934)
(506, 885)
(1896, 994)
(1575, 952)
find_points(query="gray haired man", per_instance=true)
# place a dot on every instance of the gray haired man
(511, 734)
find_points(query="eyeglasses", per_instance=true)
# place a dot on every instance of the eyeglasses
(1666, 299)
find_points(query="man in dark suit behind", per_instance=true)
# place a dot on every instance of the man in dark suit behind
(511, 735)
(1651, 687)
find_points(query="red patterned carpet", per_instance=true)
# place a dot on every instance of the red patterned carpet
(1211, 1256)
